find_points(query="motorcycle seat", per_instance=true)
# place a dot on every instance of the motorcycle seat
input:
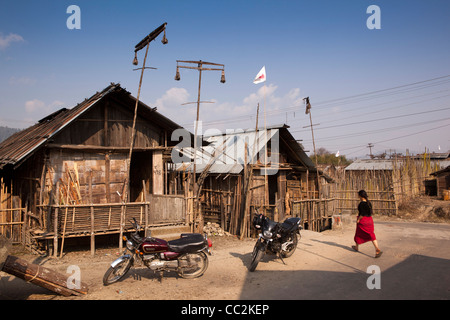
(290, 224)
(189, 242)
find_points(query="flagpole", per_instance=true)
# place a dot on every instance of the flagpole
(266, 189)
(261, 77)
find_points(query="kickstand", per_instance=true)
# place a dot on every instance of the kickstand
(279, 255)
(161, 276)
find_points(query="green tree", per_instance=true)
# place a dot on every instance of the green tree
(326, 157)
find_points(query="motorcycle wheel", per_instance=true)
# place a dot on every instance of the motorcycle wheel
(291, 248)
(258, 253)
(194, 265)
(114, 274)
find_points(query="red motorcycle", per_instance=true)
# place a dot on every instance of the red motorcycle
(186, 255)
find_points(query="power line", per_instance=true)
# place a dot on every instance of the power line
(371, 132)
(400, 137)
(375, 120)
(388, 108)
(382, 90)
(323, 104)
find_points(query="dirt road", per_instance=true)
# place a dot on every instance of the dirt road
(414, 265)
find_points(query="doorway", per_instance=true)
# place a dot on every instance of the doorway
(140, 170)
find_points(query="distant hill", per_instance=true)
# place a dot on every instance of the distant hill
(6, 132)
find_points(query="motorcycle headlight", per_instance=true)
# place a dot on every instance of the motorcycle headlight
(130, 245)
(267, 234)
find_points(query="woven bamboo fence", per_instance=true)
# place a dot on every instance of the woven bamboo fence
(315, 213)
(386, 188)
(409, 175)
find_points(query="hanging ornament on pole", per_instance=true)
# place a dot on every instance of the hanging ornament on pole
(308, 105)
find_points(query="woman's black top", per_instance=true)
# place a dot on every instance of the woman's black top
(364, 209)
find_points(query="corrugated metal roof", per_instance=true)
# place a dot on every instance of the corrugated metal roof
(444, 163)
(20, 145)
(231, 150)
(439, 172)
(370, 165)
(384, 164)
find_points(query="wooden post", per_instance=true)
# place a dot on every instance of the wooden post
(41, 276)
(122, 223)
(55, 222)
(107, 178)
(2, 213)
(158, 178)
(144, 191)
(25, 225)
(41, 195)
(64, 231)
(65, 222)
(222, 211)
(92, 216)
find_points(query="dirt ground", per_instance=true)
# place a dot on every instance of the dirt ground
(323, 267)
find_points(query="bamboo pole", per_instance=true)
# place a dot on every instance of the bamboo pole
(122, 223)
(92, 216)
(64, 232)
(64, 228)
(55, 223)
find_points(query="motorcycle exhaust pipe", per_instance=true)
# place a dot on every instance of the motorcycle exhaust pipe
(158, 265)
(172, 264)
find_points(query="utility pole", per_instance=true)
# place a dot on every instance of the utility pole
(370, 146)
(200, 67)
(308, 111)
(144, 43)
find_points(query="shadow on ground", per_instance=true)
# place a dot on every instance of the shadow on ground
(417, 277)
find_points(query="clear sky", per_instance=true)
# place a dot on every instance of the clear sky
(389, 86)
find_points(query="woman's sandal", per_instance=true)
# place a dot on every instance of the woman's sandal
(378, 254)
(355, 248)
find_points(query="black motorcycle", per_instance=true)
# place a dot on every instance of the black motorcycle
(275, 238)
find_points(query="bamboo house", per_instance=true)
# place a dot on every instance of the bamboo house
(232, 171)
(66, 175)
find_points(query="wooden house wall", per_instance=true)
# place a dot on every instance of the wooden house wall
(442, 183)
(109, 125)
(218, 197)
(19, 194)
(84, 166)
(83, 176)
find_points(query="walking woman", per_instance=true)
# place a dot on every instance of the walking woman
(364, 224)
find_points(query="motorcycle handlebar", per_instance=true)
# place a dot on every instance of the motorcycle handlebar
(135, 224)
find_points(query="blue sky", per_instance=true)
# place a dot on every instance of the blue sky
(320, 49)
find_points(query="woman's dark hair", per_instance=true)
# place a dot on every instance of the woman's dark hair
(363, 194)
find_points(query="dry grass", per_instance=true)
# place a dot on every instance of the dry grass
(425, 209)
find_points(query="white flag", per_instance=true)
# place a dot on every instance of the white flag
(337, 154)
(261, 76)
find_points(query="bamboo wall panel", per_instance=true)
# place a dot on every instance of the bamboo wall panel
(73, 170)
(315, 214)
(76, 219)
(110, 127)
(167, 209)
